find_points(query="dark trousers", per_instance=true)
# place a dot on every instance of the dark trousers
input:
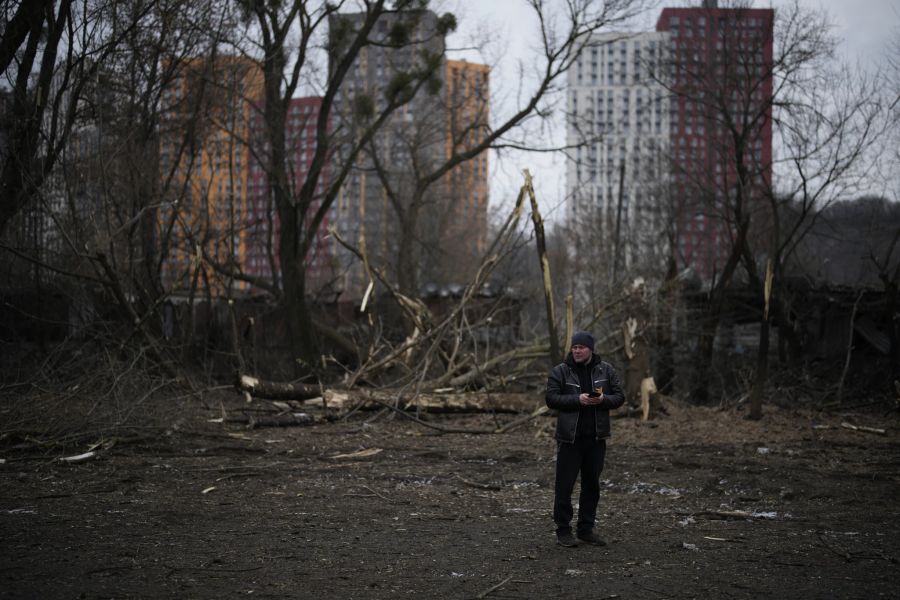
(585, 456)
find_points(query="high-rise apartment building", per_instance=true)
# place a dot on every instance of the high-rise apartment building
(263, 223)
(618, 126)
(417, 138)
(408, 142)
(663, 117)
(205, 126)
(467, 96)
(722, 109)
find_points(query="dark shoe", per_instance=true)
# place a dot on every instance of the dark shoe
(565, 538)
(591, 538)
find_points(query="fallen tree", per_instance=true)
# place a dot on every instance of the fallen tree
(340, 399)
(276, 390)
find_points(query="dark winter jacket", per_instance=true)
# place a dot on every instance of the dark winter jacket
(563, 390)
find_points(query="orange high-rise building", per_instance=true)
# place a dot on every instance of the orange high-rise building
(449, 225)
(204, 155)
(468, 110)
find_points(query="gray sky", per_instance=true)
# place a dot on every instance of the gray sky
(866, 26)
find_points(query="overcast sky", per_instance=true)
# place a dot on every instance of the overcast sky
(866, 26)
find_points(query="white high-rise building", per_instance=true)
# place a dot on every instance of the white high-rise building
(618, 117)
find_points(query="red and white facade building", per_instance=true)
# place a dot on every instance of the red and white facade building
(263, 223)
(721, 91)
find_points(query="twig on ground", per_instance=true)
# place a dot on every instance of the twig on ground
(729, 514)
(233, 475)
(475, 484)
(862, 428)
(385, 498)
(485, 593)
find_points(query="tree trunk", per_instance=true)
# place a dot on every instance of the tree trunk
(407, 265)
(704, 358)
(303, 340)
(276, 390)
(762, 356)
(715, 305)
(762, 371)
(292, 249)
(787, 337)
(556, 352)
(891, 308)
(665, 363)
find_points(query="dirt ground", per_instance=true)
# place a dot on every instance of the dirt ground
(701, 503)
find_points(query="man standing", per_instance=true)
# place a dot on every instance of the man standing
(582, 389)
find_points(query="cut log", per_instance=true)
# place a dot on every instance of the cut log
(345, 399)
(359, 454)
(433, 403)
(462, 403)
(274, 390)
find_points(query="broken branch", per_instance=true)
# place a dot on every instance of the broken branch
(485, 593)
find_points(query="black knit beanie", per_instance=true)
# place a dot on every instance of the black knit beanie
(583, 338)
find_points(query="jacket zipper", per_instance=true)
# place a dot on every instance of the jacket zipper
(596, 420)
(578, 416)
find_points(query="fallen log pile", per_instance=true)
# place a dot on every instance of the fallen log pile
(358, 398)
(285, 404)
(291, 400)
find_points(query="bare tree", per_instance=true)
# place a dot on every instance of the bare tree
(888, 260)
(50, 52)
(729, 99)
(460, 127)
(736, 100)
(827, 121)
(292, 45)
(98, 215)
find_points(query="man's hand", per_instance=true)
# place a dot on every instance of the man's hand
(588, 400)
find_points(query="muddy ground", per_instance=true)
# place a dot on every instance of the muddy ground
(701, 503)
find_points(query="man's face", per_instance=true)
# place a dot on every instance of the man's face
(581, 354)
